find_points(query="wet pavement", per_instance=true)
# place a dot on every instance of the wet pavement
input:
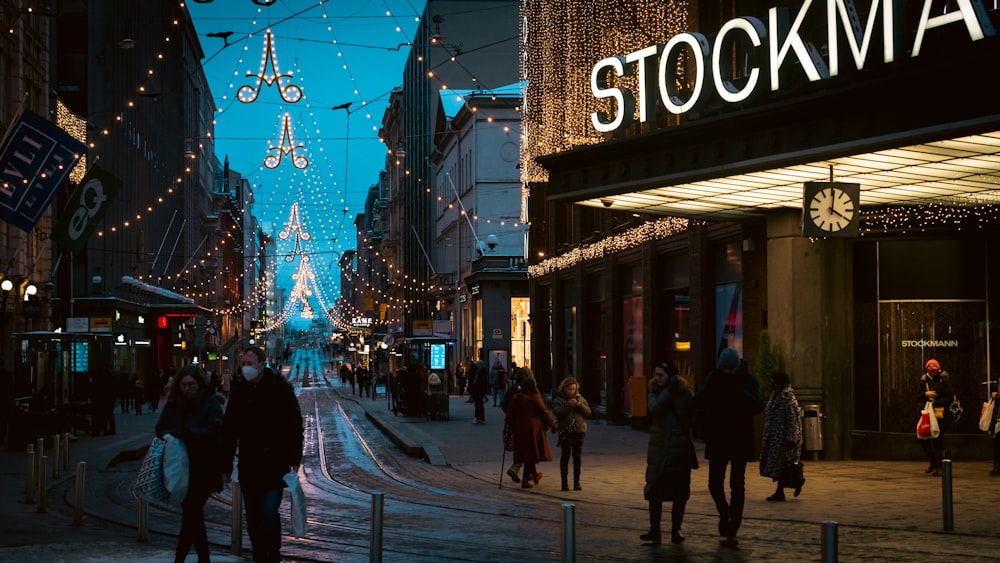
(882, 510)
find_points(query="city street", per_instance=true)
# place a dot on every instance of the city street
(447, 504)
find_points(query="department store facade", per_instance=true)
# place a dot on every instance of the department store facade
(705, 232)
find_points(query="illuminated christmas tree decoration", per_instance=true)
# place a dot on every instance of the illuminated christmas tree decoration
(286, 146)
(290, 93)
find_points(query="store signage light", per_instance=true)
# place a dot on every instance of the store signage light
(656, 67)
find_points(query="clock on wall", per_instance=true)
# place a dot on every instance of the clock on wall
(831, 209)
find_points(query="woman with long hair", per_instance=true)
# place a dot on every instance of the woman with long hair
(528, 419)
(571, 411)
(193, 414)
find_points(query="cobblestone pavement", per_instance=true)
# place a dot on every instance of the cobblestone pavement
(884, 511)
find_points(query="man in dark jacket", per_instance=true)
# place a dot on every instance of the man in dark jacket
(263, 419)
(478, 387)
(727, 401)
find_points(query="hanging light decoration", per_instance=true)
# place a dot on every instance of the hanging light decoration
(286, 146)
(269, 76)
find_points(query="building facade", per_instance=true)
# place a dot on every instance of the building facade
(689, 214)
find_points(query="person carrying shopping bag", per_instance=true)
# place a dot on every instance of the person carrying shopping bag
(935, 387)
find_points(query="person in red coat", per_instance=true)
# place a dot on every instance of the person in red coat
(528, 419)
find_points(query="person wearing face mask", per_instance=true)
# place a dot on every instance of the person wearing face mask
(264, 421)
(935, 386)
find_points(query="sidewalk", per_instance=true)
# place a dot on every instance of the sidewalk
(895, 499)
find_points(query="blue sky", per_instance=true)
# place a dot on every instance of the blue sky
(337, 52)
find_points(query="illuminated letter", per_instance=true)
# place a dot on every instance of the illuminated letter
(849, 17)
(623, 98)
(754, 29)
(977, 23)
(646, 63)
(808, 57)
(699, 50)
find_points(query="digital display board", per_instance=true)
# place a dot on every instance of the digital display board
(437, 356)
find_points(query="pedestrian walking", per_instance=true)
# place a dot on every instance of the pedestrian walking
(138, 395)
(935, 386)
(478, 388)
(995, 430)
(571, 410)
(670, 455)
(192, 413)
(726, 402)
(528, 419)
(524, 373)
(264, 421)
(782, 435)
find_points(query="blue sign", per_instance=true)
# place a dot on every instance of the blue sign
(35, 158)
(437, 356)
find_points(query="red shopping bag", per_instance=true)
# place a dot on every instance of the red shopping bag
(927, 426)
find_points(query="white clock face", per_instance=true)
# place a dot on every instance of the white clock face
(831, 209)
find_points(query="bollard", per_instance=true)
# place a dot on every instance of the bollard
(142, 526)
(375, 544)
(65, 438)
(568, 533)
(946, 501)
(42, 484)
(79, 492)
(829, 540)
(236, 522)
(55, 456)
(29, 474)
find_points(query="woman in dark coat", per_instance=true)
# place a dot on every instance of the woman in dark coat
(528, 419)
(670, 455)
(782, 434)
(193, 414)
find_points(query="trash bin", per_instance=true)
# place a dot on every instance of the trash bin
(812, 428)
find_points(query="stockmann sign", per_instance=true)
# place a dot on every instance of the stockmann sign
(656, 68)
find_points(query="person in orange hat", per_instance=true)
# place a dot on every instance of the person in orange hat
(935, 386)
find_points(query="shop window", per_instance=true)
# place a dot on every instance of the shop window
(520, 331)
(729, 297)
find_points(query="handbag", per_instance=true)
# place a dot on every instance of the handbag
(564, 433)
(955, 408)
(793, 475)
(986, 416)
(176, 468)
(298, 510)
(149, 483)
(927, 425)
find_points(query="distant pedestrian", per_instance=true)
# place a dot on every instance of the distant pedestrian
(782, 434)
(571, 410)
(994, 423)
(193, 414)
(478, 387)
(125, 385)
(935, 386)
(138, 395)
(525, 373)
(670, 455)
(727, 401)
(264, 422)
(6, 399)
(529, 419)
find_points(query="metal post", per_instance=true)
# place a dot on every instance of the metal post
(55, 456)
(946, 500)
(236, 522)
(375, 545)
(29, 474)
(65, 438)
(42, 483)
(828, 537)
(79, 492)
(568, 533)
(142, 526)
